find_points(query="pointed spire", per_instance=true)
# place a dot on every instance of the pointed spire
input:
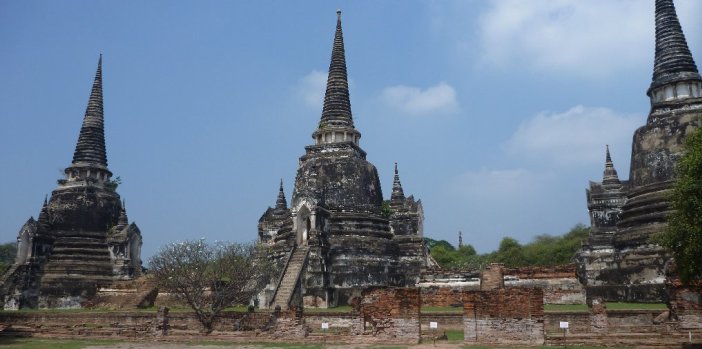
(337, 104)
(398, 194)
(281, 203)
(90, 148)
(610, 177)
(43, 218)
(123, 220)
(673, 62)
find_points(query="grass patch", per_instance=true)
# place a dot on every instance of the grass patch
(35, 343)
(287, 345)
(610, 306)
(636, 306)
(339, 309)
(565, 307)
(442, 310)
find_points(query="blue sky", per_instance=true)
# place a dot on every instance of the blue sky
(497, 112)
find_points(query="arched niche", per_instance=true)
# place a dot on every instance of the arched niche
(24, 247)
(304, 224)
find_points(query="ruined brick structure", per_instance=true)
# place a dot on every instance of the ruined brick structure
(630, 267)
(82, 239)
(504, 316)
(339, 237)
(388, 314)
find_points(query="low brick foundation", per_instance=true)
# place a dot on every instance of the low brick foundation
(389, 314)
(504, 316)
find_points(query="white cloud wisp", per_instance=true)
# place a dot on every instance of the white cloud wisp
(413, 100)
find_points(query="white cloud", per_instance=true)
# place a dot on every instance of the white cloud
(595, 37)
(413, 100)
(311, 88)
(576, 136)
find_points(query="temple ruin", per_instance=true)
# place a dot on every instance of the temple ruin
(619, 262)
(82, 239)
(339, 236)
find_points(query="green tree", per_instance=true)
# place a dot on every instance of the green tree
(684, 233)
(510, 253)
(7, 255)
(431, 243)
(210, 278)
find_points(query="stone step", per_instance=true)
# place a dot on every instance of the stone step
(80, 234)
(65, 259)
(90, 269)
(80, 250)
(87, 243)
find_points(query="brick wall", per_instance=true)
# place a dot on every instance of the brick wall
(442, 296)
(685, 302)
(543, 272)
(492, 277)
(389, 314)
(504, 316)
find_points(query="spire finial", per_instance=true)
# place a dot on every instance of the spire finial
(90, 148)
(337, 104)
(673, 62)
(338, 13)
(610, 177)
(609, 157)
(46, 199)
(398, 195)
(281, 203)
(460, 239)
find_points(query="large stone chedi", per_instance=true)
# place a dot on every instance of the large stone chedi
(82, 239)
(620, 262)
(339, 236)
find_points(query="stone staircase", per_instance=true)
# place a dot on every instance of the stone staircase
(78, 257)
(291, 275)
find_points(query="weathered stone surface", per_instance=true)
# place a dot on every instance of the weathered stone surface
(504, 316)
(631, 267)
(389, 314)
(82, 240)
(337, 212)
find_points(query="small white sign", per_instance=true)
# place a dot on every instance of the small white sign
(325, 325)
(433, 324)
(564, 324)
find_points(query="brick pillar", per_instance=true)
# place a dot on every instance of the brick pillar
(598, 316)
(492, 277)
(161, 325)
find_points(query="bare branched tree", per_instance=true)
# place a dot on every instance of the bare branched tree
(210, 278)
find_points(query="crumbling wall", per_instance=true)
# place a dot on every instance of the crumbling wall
(442, 296)
(559, 282)
(504, 316)
(389, 314)
(685, 303)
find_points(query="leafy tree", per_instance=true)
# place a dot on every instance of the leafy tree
(7, 255)
(210, 278)
(510, 253)
(684, 233)
(543, 250)
(431, 243)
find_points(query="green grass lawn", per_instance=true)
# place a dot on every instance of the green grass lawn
(442, 310)
(610, 306)
(339, 309)
(636, 306)
(36, 343)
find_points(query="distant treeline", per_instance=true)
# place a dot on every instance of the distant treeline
(543, 250)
